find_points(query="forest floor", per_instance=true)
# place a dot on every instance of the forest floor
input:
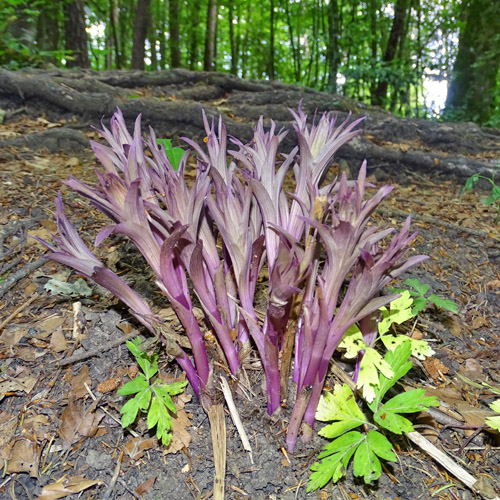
(59, 430)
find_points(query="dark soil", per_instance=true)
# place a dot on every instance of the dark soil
(461, 238)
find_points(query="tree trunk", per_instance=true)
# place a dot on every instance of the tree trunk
(333, 48)
(232, 41)
(173, 25)
(208, 60)
(473, 83)
(114, 18)
(76, 36)
(140, 30)
(272, 72)
(397, 30)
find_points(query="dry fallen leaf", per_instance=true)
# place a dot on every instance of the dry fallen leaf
(67, 487)
(434, 368)
(145, 486)
(12, 335)
(77, 422)
(23, 457)
(135, 446)
(58, 341)
(78, 382)
(8, 426)
(180, 435)
(25, 384)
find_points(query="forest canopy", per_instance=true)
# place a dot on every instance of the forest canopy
(390, 54)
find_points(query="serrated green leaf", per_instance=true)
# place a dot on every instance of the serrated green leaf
(447, 305)
(129, 412)
(421, 288)
(381, 446)
(419, 304)
(173, 154)
(134, 346)
(368, 375)
(154, 412)
(493, 422)
(392, 421)
(165, 398)
(419, 348)
(398, 361)
(366, 463)
(495, 406)
(352, 342)
(336, 456)
(399, 311)
(411, 401)
(339, 406)
(143, 398)
(138, 384)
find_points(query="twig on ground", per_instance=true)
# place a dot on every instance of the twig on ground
(98, 350)
(20, 274)
(23, 306)
(114, 478)
(236, 417)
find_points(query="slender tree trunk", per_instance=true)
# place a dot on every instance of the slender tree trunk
(174, 31)
(194, 7)
(295, 51)
(397, 32)
(114, 21)
(47, 32)
(208, 60)
(272, 72)
(474, 78)
(333, 48)
(372, 13)
(232, 39)
(140, 30)
(162, 25)
(76, 36)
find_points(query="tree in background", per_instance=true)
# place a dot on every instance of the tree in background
(140, 31)
(474, 79)
(210, 36)
(76, 34)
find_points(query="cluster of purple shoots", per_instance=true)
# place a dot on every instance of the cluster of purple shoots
(216, 236)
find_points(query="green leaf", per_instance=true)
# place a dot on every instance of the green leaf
(339, 406)
(419, 348)
(419, 304)
(129, 412)
(366, 463)
(143, 399)
(494, 422)
(398, 361)
(368, 375)
(163, 394)
(154, 412)
(495, 406)
(445, 304)
(173, 154)
(134, 346)
(352, 342)
(138, 384)
(336, 459)
(399, 311)
(411, 401)
(421, 288)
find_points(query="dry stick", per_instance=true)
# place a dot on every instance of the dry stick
(114, 478)
(23, 306)
(18, 275)
(459, 472)
(97, 350)
(236, 417)
(218, 429)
